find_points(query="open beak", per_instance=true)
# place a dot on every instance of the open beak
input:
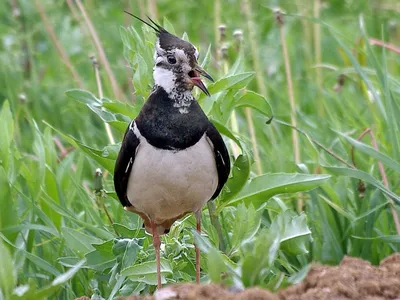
(196, 80)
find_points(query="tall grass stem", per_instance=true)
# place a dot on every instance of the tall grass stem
(293, 120)
(61, 52)
(100, 91)
(102, 55)
(260, 83)
(318, 55)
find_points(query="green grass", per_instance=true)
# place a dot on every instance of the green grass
(64, 234)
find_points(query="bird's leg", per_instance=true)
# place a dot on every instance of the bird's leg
(156, 244)
(198, 220)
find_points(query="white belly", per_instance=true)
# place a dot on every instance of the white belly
(164, 183)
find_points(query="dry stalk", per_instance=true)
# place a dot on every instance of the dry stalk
(303, 9)
(386, 184)
(260, 83)
(75, 14)
(61, 52)
(385, 45)
(152, 8)
(382, 171)
(100, 91)
(142, 9)
(217, 22)
(359, 138)
(63, 151)
(318, 53)
(128, 71)
(103, 58)
(293, 120)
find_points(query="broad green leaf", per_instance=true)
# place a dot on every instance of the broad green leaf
(237, 81)
(340, 171)
(240, 174)
(246, 225)
(79, 241)
(6, 134)
(41, 263)
(386, 160)
(225, 131)
(259, 257)
(63, 278)
(119, 125)
(216, 265)
(93, 153)
(8, 213)
(68, 261)
(126, 251)
(205, 246)
(7, 272)
(267, 185)
(131, 251)
(141, 75)
(295, 234)
(256, 101)
(338, 208)
(207, 58)
(83, 96)
(383, 238)
(122, 108)
(104, 115)
(38, 227)
(147, 272)
(102, 257)
(59, 281)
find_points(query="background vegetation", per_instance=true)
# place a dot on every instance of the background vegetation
(329, 72)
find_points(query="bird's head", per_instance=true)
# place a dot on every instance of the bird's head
(176, 68)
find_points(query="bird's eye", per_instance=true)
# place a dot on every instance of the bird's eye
(171, 59)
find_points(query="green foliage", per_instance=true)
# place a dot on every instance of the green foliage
(59, 239)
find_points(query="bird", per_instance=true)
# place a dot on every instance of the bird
(172, 159)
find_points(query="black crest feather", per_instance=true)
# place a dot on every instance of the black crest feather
(167, 40)
(157, 28)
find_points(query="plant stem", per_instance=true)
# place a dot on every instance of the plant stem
(217, 225)
(103, 58)
(260, 83)
(318, 55)
(353, 159)
(100, 91)
(128, 71)
(303, 9)
(385, 45)
(386, 183)
(152, 8)
(383, 174)
(295, 136)
(217, 22)
(61, 52)
(98, 191)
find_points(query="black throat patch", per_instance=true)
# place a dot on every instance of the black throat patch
(165, 127)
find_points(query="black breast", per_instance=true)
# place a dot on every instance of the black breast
(165, 127)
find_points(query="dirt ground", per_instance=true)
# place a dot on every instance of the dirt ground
(353, 279)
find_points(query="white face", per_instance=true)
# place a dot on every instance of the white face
(171, 66)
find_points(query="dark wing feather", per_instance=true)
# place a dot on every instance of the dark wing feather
(123, 165)
(221, 157)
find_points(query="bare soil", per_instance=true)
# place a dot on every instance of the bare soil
(353, 279)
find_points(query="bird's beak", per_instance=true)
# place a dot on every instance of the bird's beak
(196, 80)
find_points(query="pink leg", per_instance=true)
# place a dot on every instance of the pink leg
(156, 244)
(198, 219)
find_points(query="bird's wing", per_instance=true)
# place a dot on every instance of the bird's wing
(123, 165)
(221, 157)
